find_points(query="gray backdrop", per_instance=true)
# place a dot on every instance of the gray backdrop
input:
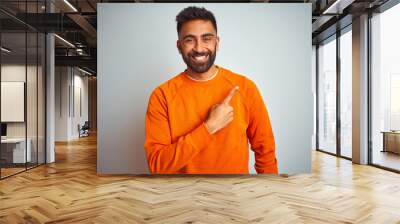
(269, 43)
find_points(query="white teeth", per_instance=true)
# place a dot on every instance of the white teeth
(200, 58)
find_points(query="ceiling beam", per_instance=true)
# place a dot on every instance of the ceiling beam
(86, 26)
(85, 61)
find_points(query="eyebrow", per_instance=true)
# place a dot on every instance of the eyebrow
(208, 35)
(187, 36)
(193, 36)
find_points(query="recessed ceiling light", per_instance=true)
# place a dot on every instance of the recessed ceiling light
(70, 5)
(337, 7)
(64, 40)
(86, 72)
(5, 50)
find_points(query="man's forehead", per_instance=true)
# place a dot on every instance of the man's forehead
(197, 27)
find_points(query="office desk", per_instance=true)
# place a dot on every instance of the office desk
(391, 141)
(13, 150)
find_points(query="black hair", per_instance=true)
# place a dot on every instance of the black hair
(193, 13)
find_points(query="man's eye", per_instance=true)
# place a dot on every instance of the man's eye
(189, 40)
(207, 39)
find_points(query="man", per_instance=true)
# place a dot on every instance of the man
(200, 121)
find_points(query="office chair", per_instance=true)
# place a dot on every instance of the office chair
(84, 130)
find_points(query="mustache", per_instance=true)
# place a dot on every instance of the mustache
(197, 54)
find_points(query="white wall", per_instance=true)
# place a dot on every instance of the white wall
(79, 117)
(61, 103)
(16, 72)
(12, 101)
(68, 82)
(269, 43)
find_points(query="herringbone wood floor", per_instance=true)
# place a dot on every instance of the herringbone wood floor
(69, 191)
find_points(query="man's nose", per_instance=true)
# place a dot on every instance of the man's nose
(199, 47)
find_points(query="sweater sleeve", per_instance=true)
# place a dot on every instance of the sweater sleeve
(260, 133)
(163, 155)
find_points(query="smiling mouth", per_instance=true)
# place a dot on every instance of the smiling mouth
(200, 58)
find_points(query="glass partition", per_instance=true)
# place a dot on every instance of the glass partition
(13, 105)
(22, 101)
(327, 96)
(385, 89)
(41, 87)
(31, 100)
(346, 93)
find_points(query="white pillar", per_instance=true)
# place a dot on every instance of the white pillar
(50, 79)
(360, 90)
(50, 91)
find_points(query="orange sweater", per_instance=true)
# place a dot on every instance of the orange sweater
(177, 140)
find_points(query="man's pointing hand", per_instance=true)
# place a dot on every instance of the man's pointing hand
(221, 114)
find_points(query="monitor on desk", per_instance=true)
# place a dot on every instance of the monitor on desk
(3, 130)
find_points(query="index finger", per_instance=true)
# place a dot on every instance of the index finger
(230, 95)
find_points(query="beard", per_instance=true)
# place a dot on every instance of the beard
(199, 67)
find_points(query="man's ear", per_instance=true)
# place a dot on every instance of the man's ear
(178, 45)
(217, 47)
